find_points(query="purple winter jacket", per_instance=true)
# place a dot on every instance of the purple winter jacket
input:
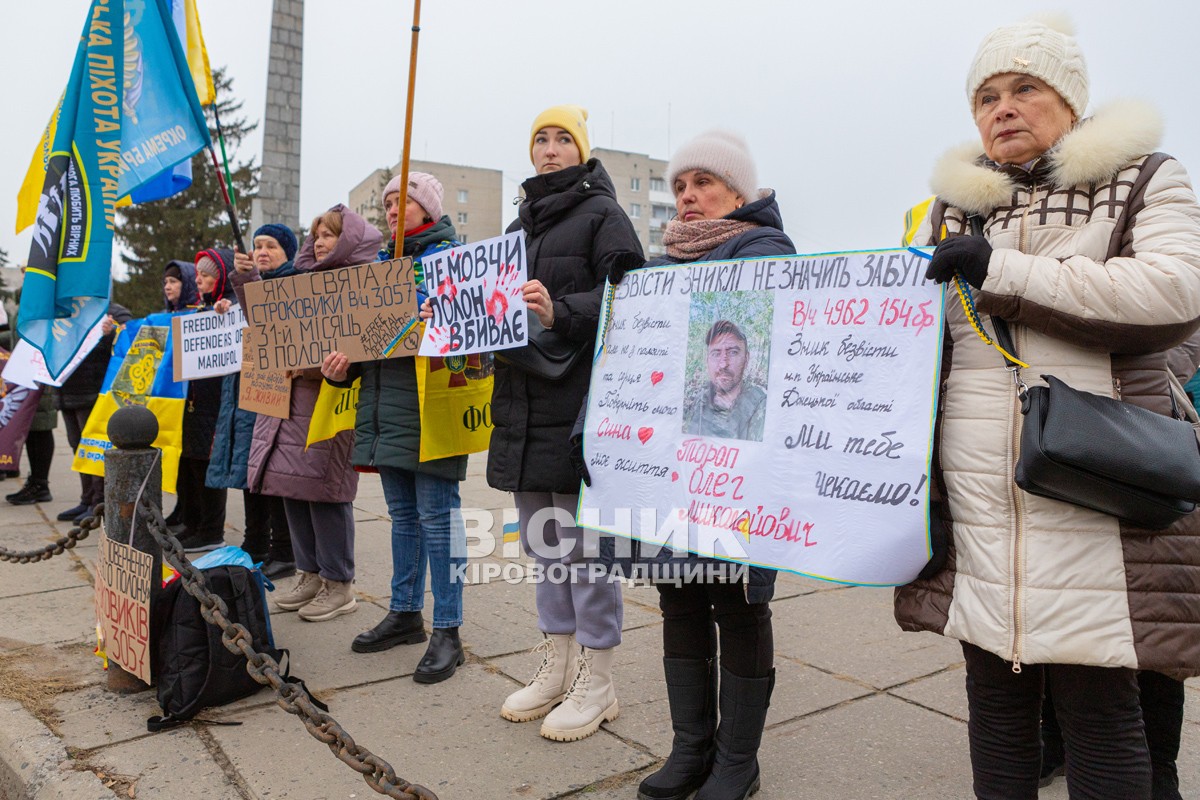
(279, 463)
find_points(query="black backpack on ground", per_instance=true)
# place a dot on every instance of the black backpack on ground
(192, 668)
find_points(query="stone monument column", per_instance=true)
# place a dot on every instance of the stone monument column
(279, 185)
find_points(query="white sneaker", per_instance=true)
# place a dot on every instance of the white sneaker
(550, 682)
(591, 700)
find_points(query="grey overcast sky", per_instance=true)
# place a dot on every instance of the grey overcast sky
(846, 105)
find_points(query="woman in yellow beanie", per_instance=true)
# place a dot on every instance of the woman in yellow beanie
(575, 234)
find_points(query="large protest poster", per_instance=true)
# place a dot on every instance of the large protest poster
(368, 312)
(123, 576)
(776, 411)
(207, 344)
(476, 297)
(263, 391)
(18, 404)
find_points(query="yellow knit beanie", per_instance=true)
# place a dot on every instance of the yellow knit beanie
(572, 119)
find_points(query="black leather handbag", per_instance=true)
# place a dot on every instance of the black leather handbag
(548, 355)
(1104, 454)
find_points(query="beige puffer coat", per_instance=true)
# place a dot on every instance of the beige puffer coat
(1027, 578)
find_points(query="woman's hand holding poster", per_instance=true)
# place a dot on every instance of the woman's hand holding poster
(776, 411)
(475, 294)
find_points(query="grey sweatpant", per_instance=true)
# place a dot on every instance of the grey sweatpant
(570, 597)
(322, 537)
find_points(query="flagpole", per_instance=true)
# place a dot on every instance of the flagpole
(230, 211)
(408, 117)
(224, 156)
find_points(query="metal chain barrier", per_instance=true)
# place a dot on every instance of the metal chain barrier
(59, 546)
(291, 697)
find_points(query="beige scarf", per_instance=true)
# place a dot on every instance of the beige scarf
(689, 241)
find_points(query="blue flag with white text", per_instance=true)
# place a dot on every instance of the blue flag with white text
(129, 113)
(178, 178)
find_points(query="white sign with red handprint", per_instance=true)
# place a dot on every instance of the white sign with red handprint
(476, 297)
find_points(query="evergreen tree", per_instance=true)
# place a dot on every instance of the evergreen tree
(151, 234)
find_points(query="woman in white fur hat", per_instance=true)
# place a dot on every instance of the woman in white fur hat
(1087, 243)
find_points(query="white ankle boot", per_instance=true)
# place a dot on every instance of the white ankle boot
(590, 701)
(550, 682)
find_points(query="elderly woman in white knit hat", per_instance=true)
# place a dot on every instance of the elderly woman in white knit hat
(721, 214)
(1085, 243)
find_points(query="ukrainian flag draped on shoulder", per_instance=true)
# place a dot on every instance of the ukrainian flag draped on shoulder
(139, 373)
(456, 404)
(914, 217)
(129, 113)
(333, 413)
(455, 395)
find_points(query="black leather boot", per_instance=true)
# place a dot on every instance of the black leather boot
(744, 703)
(398, 627)
(692, 697)
(443, 656)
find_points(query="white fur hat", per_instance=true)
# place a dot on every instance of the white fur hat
(1043, 47)
(722, 153)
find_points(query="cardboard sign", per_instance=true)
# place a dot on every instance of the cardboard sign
(778, 412)
(207, 344)
(123, 577)
(263, 391)
(360, 311)
(476, 293)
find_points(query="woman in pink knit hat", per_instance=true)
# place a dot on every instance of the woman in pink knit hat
(422, 495)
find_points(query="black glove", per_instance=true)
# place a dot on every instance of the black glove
(622, 263)
(968, 255)
(578, 461)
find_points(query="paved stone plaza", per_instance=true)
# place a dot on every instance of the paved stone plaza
(861, 711)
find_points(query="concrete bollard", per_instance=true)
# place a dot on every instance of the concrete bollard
(131, 463)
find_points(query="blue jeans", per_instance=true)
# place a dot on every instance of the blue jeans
(427, 528)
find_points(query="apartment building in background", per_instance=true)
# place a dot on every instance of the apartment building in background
(471, 196)
(642, 192)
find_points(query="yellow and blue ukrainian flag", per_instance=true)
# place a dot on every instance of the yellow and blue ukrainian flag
(140, 372)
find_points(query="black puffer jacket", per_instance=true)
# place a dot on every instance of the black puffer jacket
(81, 389)
(574, 231)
